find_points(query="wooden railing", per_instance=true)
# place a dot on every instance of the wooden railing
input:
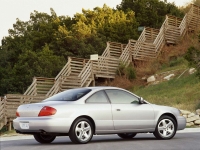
(183, 26)
(86, 75)
(126, 55)
(66, 70)
(3, 117)
(40, 86)
(160, 39)
(105, 67)
(142, 37)
(106, 52)
(14, 100)
(193, 17)
(55, 88)
(113, 49)
(32, 88)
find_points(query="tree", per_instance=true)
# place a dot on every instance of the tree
(196, 2)
(150, 13)
(115, 25)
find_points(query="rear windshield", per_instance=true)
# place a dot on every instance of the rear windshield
(69, 95)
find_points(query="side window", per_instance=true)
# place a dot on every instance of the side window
(98, 97)
(121, 97)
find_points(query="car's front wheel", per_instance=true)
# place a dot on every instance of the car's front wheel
(127, 135)
(81, 131)
(166, 128)
(41, 138)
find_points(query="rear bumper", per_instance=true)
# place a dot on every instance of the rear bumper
(181, 123)
(42, 124)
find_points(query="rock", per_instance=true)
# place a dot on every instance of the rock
(168, 77)
(192, 70)
(185, 112)
(196, 117)
(198, 111)
(185, 116)
(144, 78)
(197, 122)
(151, 79)
(191, 115)
(190, 124)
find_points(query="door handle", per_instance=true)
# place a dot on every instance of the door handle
(118, 109)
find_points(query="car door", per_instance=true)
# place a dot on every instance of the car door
(127, 113)
(99, 108)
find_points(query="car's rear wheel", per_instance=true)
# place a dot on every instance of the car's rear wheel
(166, 128)
(81, 131)
(42, 138)
(127, 135)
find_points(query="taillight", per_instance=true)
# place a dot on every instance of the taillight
(47, 111)
(17, 114)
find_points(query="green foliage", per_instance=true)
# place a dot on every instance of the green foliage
(174, 64)
(177, 62)
(128, 72)
(115, 25)
(193, 57)
(121, 69)
(150, 13)
(41, 45)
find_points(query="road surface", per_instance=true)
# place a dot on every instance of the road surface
(183, 140)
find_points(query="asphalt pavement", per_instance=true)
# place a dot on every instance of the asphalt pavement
(188, 139)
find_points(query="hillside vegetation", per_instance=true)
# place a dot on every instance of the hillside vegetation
(40, 46)
(183, 91)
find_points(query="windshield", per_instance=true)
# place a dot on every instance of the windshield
(69, 95)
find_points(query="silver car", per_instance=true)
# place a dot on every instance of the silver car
(84, 112)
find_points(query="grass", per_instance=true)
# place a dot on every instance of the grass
(182, 93)
(3, 133)
(179, 63)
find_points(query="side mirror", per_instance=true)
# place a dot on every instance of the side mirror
(141, 100)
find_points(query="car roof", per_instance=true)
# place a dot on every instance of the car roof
(101, 87)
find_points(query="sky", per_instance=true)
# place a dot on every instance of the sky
(12, 9)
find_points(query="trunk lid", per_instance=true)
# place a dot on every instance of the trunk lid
(32, 110)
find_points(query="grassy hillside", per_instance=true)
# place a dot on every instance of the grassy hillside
(182, 93)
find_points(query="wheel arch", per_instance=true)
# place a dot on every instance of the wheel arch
(170, 115)
(87, 117)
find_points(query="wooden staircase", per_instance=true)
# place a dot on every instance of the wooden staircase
(40, 86)
(193, 17)
(80, 76)
(79, 72)
(3, 118)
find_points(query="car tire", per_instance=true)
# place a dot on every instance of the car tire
(165, 128)
(127, 135)
(41, 138)
(81, 131)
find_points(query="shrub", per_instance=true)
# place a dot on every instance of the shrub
(193, 57)
(129, 72)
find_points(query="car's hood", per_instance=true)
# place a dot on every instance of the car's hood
(165, 109)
